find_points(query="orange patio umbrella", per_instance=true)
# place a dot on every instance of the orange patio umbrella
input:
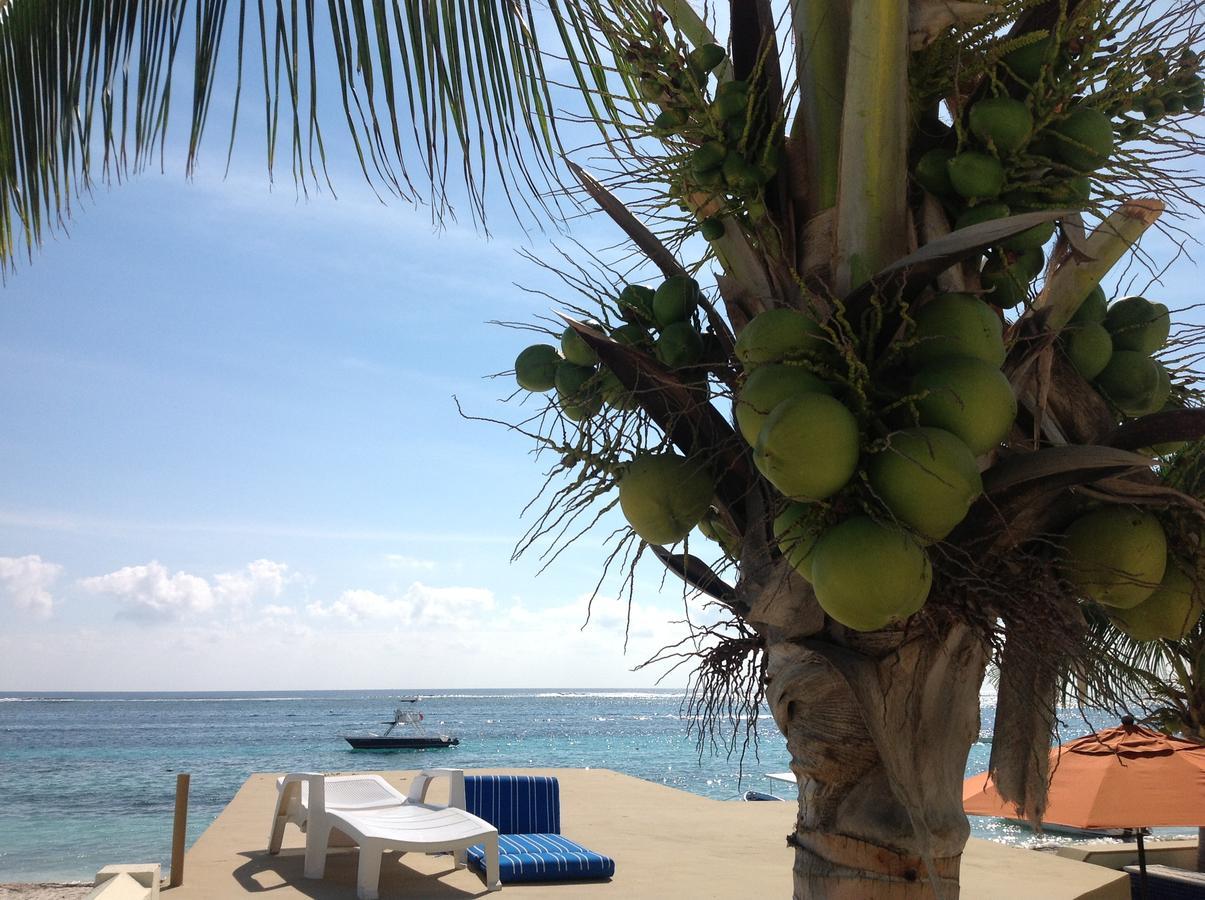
(1124, 777)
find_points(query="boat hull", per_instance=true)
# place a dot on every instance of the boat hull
(400, 743)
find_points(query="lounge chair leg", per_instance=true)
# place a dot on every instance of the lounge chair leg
(277, 836)
(368, 872)
(460, 857)
(316, 840)
(492, 879)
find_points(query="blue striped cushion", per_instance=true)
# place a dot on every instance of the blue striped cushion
(543, 857)
(515, 804)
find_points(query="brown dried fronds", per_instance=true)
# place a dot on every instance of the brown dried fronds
(727, 687)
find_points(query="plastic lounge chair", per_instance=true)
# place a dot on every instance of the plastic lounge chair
(371, 814)
(526, 809)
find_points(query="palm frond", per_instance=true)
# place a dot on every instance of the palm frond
(425, 89)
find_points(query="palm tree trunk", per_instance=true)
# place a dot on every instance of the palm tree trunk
(879, 728)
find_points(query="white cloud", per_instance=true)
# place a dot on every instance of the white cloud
(262, 578)
(420, 605)
(152, 593)
(401, 561)
(25, 583)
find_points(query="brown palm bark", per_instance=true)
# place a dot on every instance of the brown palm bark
(879, 727)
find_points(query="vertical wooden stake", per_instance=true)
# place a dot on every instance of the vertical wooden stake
(179, 826)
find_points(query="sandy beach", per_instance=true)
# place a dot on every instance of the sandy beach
(45, 891)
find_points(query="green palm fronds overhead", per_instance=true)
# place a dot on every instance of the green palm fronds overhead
(420, 88)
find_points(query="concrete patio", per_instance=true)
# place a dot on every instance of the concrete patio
(666, 843)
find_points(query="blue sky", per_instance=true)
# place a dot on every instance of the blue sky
(230, 449)
(230, 442)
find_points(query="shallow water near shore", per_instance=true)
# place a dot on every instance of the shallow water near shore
(89, 779)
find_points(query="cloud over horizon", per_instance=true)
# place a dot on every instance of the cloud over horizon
(419, 605)
(150, 593)
(25, 583)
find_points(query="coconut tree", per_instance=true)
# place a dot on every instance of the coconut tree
(855, 335)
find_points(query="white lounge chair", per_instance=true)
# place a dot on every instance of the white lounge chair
(374, 816)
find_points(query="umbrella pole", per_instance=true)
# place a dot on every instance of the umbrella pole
(1142, 867)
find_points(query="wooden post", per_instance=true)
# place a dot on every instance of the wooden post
(179, 826)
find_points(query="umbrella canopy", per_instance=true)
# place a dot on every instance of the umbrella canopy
(1124, 777)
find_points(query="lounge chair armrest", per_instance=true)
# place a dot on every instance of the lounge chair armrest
(317, 785)
(422, 781)
(289, 806)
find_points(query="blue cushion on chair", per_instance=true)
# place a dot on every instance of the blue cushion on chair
(543, 857)
(515, 804)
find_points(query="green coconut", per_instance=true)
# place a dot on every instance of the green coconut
(1153, 401)
(1115, 555)
(679, 345)
(669, 121)
(927, 478)
(708, 158)
(976, 175)
(1003, 289)
(575, 349)
(573, 381)
(614, 393)
(957, 325)
(675, 300)
(578, 390)
(1069, 191)
(712, 229)
(1093, 309)
(797, 529)
(967, 397)
(1026, 62)
(981, 212)
(636, 304)
(1031, 238)
(1138, 324)
(808, 447)
(1130, 378)
(535, 367)
(1006, 276)
(632, 335)
(740, 176)
(868, 574)
(712, 528)
(664, 495)
(1083, 139)
(1089, 347)
(730, 104)
(580, 410)
(706, 57)
(931, 172)
(778, 334)
(1001, 122)
(1169, 613)
(765, 388)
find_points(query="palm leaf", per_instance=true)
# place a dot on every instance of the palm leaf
(431, 93)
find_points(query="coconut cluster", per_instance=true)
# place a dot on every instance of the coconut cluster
(1118, 557)
(660, 322)
(1112, 345)
(863, 484)
(1172, 86)
(1021, 148)
(728, 162)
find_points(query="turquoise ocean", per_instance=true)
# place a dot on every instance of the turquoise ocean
(89, 779)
